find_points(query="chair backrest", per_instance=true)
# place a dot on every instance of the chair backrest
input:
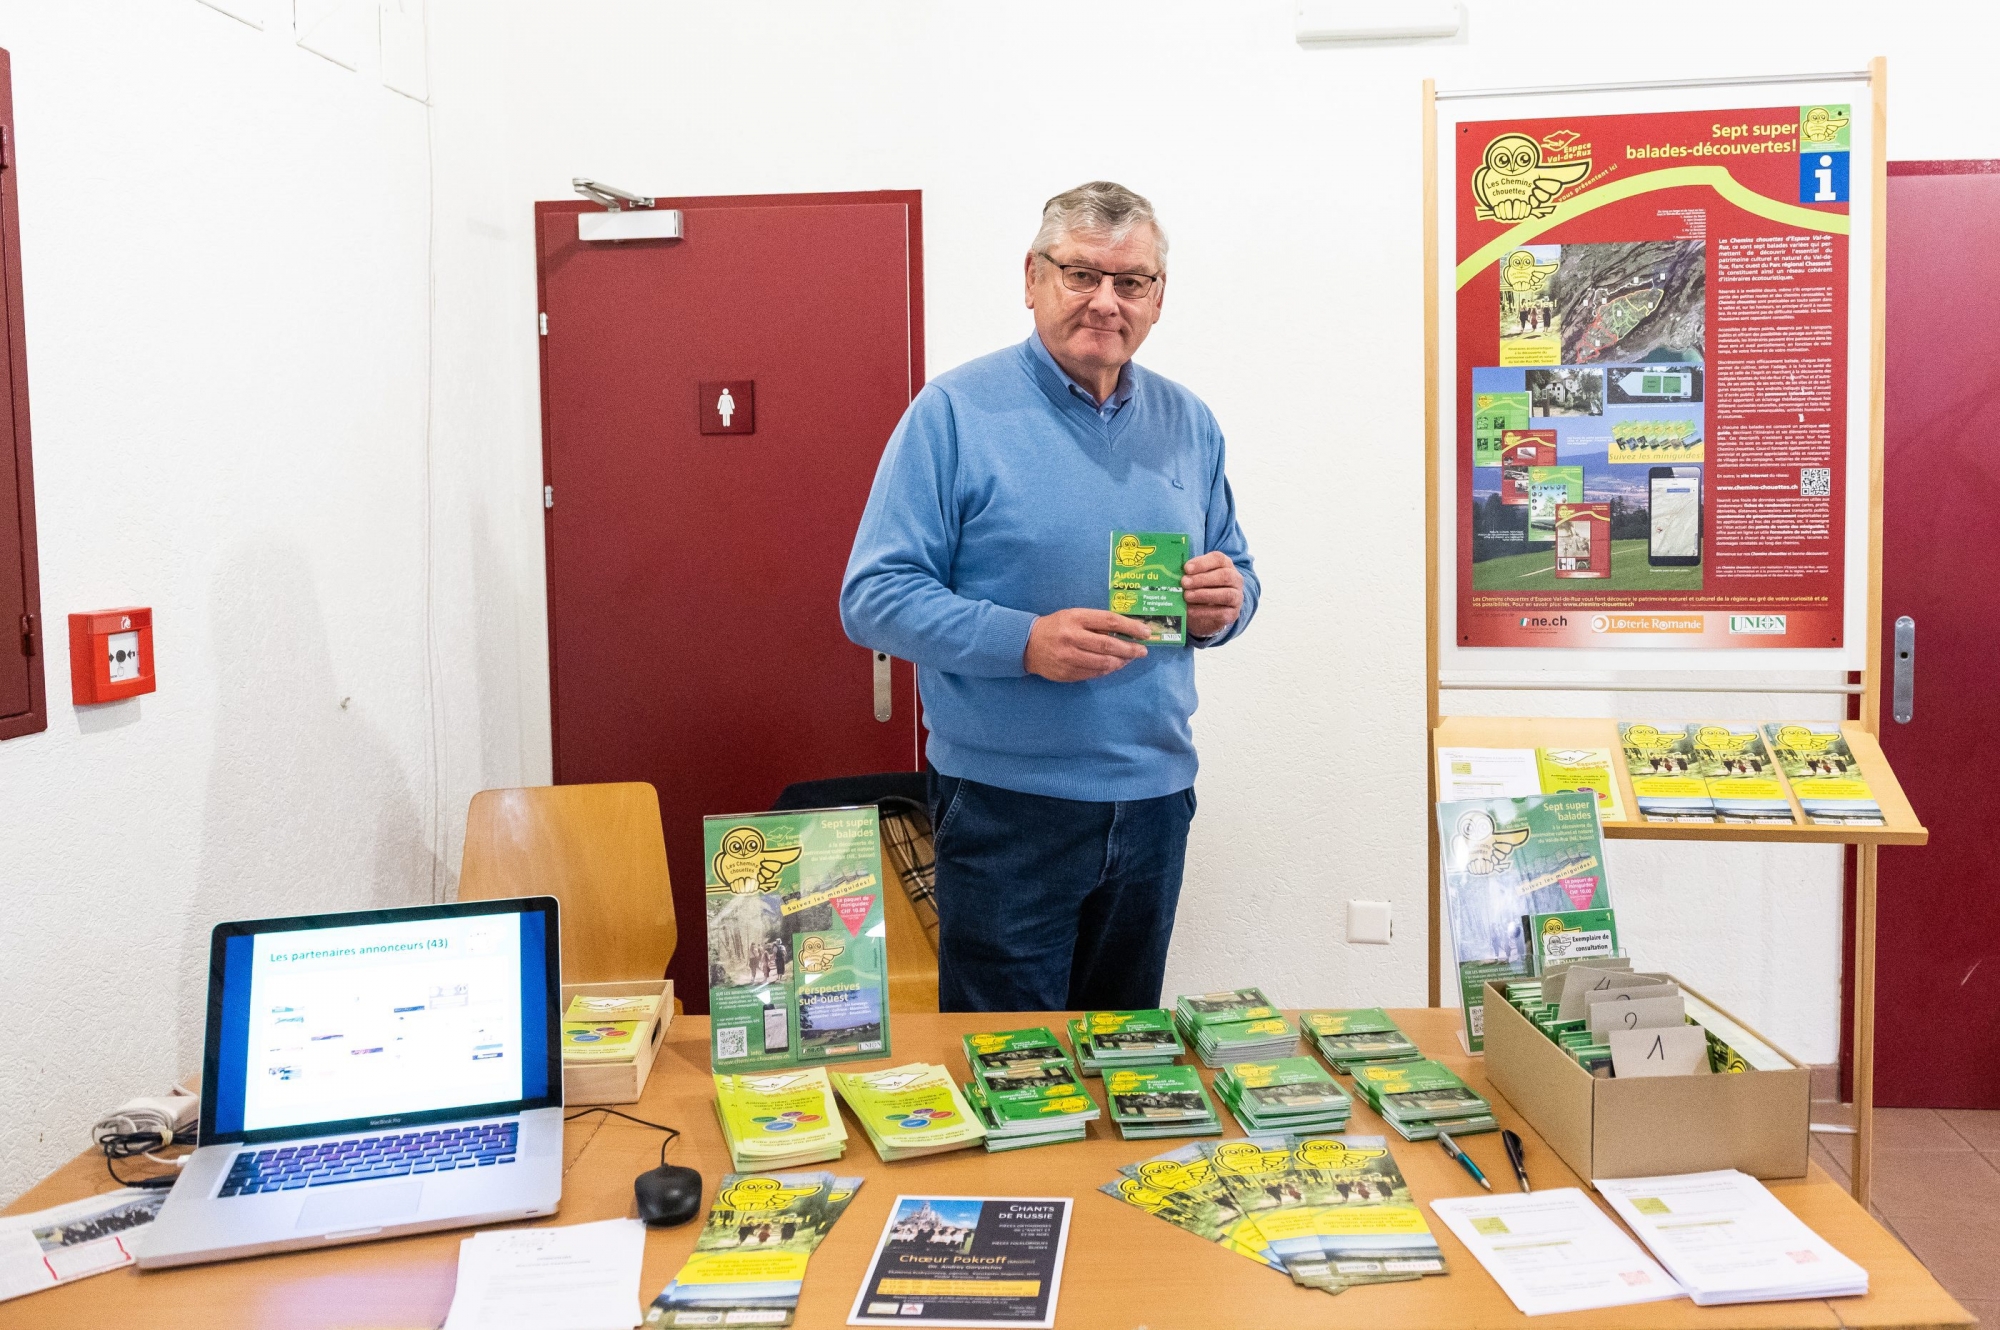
(598, 850)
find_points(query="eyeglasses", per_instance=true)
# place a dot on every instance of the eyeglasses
(1085, 281)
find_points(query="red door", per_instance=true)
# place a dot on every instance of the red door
(694, 577)
(1937, 1035)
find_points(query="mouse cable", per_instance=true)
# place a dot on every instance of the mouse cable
(673, 1133)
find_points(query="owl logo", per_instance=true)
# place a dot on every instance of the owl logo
(1139, 1194)
(1124, 602)
(1169, 1175)
(1481, 847)
(1514, 184)
(744, 865)
(816, 955)
(1129, 553)
(1821, 126)
(1522, 275)
(762, 1193)
(1326, 1152)
(1245, 1158)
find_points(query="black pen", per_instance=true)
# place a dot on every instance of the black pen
(1451, 1148)
(1512, 1140)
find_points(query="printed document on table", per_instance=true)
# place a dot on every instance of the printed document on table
(1487, 773)
(1555, 1251)
(1727, 1239)
(51, 1247)
(571, 1277)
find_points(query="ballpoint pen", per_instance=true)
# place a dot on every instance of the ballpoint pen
(1451, 1148)
(1512, 1140)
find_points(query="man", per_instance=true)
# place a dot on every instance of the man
(1062, 763)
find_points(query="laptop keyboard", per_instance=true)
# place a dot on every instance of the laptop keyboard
(325, 1163)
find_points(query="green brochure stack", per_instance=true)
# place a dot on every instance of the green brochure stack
(749, 1263)
(1025, 1089)
(1420, 1099)
(1150, 1102)
(1356, 1037)
(1107, 1039)
(911, 1111)
(1291, 1095)
(1146, 582)
(797, 961)
(1239, 1025)
(1506, 858)
(780, 1120)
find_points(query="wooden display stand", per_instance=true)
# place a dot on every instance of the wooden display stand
(1865, 687)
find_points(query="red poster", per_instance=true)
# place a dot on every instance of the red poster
(1669, 293)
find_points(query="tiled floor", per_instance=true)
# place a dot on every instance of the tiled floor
(1937, 1187)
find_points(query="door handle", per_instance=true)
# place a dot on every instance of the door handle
(885, 697)
(1905, 682)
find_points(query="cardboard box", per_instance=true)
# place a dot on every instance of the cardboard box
(1755, 1121)
(618, 1082)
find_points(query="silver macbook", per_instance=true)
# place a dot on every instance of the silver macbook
(370, 1074)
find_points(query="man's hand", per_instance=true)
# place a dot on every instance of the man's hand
(1214, 591)
(1072, 645)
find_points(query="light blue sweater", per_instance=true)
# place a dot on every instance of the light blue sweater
(995, 503)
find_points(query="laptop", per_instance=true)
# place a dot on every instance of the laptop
(371, 1074)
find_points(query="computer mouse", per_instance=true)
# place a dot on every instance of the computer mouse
(668, 1195)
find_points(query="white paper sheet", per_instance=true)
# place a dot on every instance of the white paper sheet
(570, 1277)
(1555, 1251)
(1727, 1239)
(1487, 773)
(54, 1246)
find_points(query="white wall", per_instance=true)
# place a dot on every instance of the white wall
(225, 270)
(1289, 180)
(223, 244)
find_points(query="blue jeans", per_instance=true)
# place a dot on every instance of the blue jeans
(1053, 904)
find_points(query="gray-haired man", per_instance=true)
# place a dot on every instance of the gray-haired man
(1062, 760)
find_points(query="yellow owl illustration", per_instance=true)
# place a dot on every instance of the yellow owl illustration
(816, 955)
(761, 1193)
(1167, 1175)
(1523, 275)
(1514, 184)
(1246, 1157)
(1139, 1194)
(1822, 126)
(1130, 553)
(1325, 1152)
(1481, 847)
(744, 865)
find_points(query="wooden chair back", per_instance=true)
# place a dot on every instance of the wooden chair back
(597, 849)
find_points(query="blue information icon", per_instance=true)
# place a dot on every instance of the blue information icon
(1822, 177)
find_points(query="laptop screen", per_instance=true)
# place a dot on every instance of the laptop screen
(378, 1018)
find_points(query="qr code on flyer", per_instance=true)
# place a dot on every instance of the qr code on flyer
(732, 1041)
(1815, 482)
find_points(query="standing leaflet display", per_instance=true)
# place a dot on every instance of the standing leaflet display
(797, 957)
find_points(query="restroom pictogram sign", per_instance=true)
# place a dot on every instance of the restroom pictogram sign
(728, 406)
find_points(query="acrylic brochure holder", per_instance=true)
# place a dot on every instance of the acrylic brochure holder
(1653, 376)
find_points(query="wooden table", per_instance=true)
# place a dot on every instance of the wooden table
(1124, 1269)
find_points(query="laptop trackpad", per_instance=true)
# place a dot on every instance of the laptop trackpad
(357, 1208)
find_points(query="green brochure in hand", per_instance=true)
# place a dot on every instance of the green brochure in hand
(1146, 582)
(797, 959)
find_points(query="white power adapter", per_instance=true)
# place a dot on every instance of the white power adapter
(161, 1115)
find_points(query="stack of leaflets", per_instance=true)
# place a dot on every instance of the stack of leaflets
(1025, 1089)
(1725, 1239)
(779, 1120)
(1104, 1039)
(1330, 1211)
(910, 1111)
(1291, 1094)
(1743, 782)
(1824, 773)
(1349, 1039)
(1240, 1025)
(1150, 1102)
(749, 1263)
(1659, 757)
(1420, 1099)
(606, 1029)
